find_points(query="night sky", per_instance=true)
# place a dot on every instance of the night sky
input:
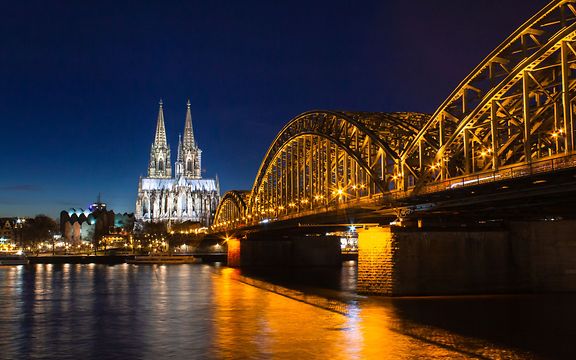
(81, 81)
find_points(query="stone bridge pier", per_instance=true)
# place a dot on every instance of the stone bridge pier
(532, 256)
(284, 251)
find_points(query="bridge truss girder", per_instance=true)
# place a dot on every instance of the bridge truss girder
(326, 158)
(231, 211)
(515, 107)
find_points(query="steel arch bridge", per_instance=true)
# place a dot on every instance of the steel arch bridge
(232, 208)
(511, 116)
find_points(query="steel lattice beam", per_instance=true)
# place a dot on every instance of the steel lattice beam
(512, 114)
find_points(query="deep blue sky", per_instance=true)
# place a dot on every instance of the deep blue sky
(80, 81)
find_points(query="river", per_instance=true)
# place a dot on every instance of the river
(197, 311)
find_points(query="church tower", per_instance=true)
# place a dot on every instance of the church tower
(189, 154)
(160, 166)
(179, 165)
(163, 197)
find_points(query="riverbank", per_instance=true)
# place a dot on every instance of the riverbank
(108, 259)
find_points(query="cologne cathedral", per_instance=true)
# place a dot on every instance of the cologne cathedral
(185, 196)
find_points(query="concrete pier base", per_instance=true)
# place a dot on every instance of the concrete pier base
(525, 257)
(299, 251)
(544, 254)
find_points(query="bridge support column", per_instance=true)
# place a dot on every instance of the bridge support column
(296, 251)
(544, 254)
(376, 259)
(397, 261)
(233, 252)
(529, 256)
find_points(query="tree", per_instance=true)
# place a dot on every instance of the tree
(41, 228)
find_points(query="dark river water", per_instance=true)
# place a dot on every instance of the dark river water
(208, 312)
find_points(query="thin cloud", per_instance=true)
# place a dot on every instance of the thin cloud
(20, 187)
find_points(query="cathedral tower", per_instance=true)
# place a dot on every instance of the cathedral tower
(160, 166)
(189, 154)
(184, 197)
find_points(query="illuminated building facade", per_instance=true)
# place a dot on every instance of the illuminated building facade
(184, 196)
(11, 230)
(79, 225)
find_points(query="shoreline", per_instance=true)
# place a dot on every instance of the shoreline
(109, 259)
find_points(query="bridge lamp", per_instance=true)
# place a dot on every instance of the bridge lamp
(340, 192)
(354, 187)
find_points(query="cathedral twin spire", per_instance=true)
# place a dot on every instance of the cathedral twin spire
(160, 138)
(188, 131)
(188, 161)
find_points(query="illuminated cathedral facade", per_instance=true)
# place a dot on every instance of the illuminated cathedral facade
(180, 195)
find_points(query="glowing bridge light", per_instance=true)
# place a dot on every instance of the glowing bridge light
(465, 142)
(474, 181)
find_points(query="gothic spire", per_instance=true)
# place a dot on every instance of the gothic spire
(179, 148)
(159, 166)
(160, 138)
(188, 130)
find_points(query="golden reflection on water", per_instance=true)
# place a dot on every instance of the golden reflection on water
(252, 321)
(284, 327)
(186, 310)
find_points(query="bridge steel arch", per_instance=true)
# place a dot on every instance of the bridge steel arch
(231, 211)
(322, 158)
(515, 110)
(516, 107)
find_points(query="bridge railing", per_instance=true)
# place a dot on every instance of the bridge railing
(535, 167)
(547, 165)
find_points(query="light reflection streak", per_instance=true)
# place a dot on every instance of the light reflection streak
(175, 310)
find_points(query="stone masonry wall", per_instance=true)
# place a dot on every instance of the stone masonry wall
(398, 262)
(544, 255)
(376, 261)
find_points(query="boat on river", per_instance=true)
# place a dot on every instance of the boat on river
(13, 258)
(163, 259)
